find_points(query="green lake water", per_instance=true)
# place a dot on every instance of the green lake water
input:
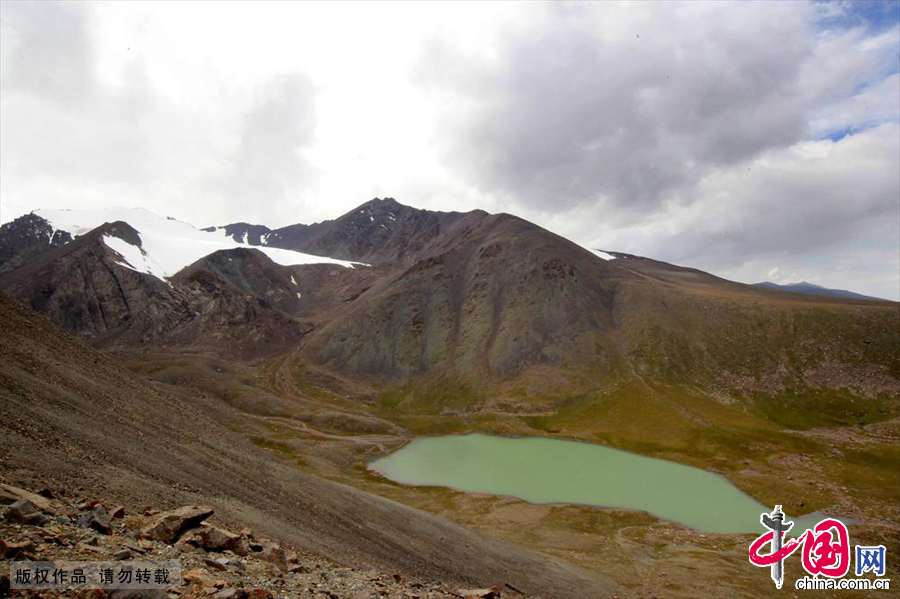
(542, 470)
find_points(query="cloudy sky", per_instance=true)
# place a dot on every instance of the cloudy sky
(755, 140)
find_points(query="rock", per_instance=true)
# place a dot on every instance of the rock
(231, 594)
(212, 538)
(97, 519)
(89, 548)
(138, 594)
(46, 493)
(491, 593)
(198, 576)
(11, 551)
(121, 555)
(100, 520)
(117, 512)
(236, 564)
(24, 511)
(363, 595)
(132, 547)
(10, 495)
(275, 554)
(216, 564)
(90, 594)
(170, 525)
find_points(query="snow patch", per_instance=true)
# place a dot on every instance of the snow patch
(292, 280)
(603, 255)
(168, 245)
(298, 295)
(133, 257)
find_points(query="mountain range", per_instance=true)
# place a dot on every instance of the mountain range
(144, 357)
(813, 289)
(396, 293)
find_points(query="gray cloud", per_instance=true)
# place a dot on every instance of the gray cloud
(571, 113)
(52, 54)
(682, 132)
(676, 130)
(268, 164)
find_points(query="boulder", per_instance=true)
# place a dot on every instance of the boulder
(212, 538)
(24, 511)
(10, 494)
(216, 564)
(11, 551)
(276, 555)
(198, 577)
(169, 526)
(491, 593)
(97, 519)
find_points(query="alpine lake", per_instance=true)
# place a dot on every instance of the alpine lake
(554, 471)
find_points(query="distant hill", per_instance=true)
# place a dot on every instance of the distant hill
(810, 289)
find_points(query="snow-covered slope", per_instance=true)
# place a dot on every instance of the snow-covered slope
(602, 254)
(167, 245)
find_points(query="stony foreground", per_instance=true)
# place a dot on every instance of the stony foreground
(215, 562)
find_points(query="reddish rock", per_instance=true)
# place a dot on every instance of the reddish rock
(10, 494)
(197, 576)
(98, 519)
(24, 511)
(11, 551)
(215, 564)
(171, 525)
(212, 538)
(491, 593)
(117, 512)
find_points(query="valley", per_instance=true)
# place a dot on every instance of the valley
(266, 387)
(847, 470)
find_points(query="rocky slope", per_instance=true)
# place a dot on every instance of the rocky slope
(381, 231)
(72, 419)
(214, 562)
(27, 238)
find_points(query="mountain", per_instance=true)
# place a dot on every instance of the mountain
(153, 279)
(397, 293)
(811, 289)
(381, 231)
